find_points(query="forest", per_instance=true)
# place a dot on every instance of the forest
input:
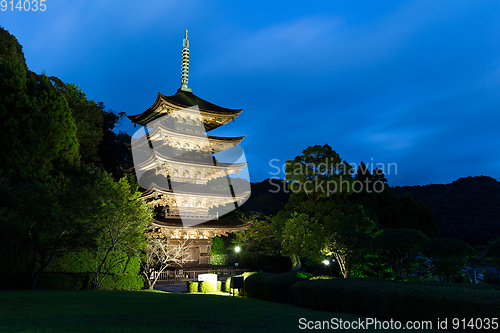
(65, 204)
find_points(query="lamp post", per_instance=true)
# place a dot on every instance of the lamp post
(237, 249)
(326, 262)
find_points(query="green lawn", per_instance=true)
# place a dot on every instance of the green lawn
(143, 311)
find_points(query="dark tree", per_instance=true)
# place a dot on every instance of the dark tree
(38, 132)
(397, 246)
(448, 256)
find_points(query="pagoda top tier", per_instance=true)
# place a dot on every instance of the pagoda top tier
(213, 115)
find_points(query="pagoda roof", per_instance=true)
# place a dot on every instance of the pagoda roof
(215, 143)
(153, 160)
(160, 128)
(182, 99)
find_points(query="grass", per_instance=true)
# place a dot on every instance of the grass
(148, 311)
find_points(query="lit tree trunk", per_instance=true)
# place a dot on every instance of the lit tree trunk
(296, 265)
(161, 254)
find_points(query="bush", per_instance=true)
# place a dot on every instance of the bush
(81, 261)
(192, 287)
(219, 259)
(219, 286)
(207, 287)
(227, 284)
(82, 281)
(63, 281)
(396, 300)
(227, 288)
(321, 277)
(272, 287)
(122, 282)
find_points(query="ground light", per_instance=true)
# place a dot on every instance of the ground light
(326, 262)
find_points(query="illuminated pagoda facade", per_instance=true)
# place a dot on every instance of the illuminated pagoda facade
(178, 167)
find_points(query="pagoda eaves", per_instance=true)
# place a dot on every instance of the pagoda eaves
(189, 141)
(198, 172)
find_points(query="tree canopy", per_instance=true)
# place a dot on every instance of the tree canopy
(448, 256)
(55, 143)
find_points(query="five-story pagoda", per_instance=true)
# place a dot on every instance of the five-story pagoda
(187, 175)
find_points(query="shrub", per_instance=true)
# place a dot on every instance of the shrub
(396, 300)
(207, 287)
(227, 284)
(217, 246)
(122, 282)
(219, 259)
(82, 281)
(62, 281)
(227, 288)
(80, 262)
(192, 287)
(219, 286)
(321, 277)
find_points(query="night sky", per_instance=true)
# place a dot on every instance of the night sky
(414, 83)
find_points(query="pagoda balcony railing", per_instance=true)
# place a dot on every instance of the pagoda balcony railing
(195, 215)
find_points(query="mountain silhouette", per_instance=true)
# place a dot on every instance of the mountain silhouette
(467, 209)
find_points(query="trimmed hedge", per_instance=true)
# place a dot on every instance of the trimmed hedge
(207, 287)
(72, 281)
(227, 287)
(192, 286)
(227, 283)
(64, 281)
(271, 286)
(83, 281)
(321, 277)
(122, 282)
(395, 300)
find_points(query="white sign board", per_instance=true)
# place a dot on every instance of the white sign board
(208, 277)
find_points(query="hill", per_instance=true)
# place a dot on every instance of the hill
(467, 209)
(268, 197)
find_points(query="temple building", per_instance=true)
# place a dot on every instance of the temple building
(190, 178)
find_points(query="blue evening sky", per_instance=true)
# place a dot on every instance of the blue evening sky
(414, 83)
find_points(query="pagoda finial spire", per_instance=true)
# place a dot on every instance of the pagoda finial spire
(185, 64)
